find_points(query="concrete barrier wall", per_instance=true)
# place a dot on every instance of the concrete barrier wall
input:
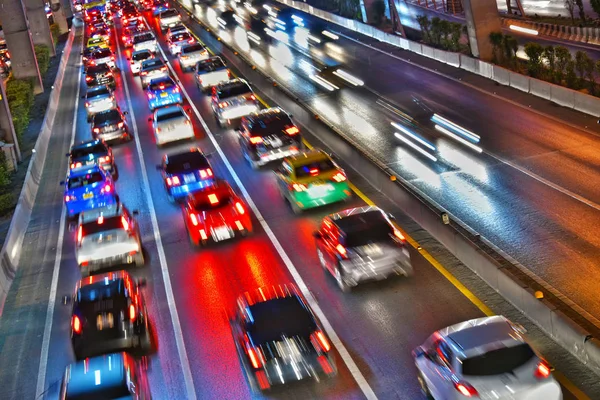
(519, 81)
(11, 250)
(540, 88)
(501, 75)
(428, 51)
(563, 96)
(587, 104)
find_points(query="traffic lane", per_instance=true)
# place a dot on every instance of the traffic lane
(248, 264)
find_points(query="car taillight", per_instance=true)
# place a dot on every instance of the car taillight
(124, 38)
(79, 234)
(292, 131)
(194, 219)
(342, 250)
(223, 104)
(299, 187)
(88, 78)
(106, 189)
(173, 181)
(240, 208)
(254, 356)
(96, 130)
(339, 177)
(87, 103)
(125, 223)
(120, 124)
(203, 234)
(143, 73)
(252, 97)
(132, 312)
(75, 165)
(163, 69)
(399, 235)
(204, 173)
(465, 389)
(76, 324)
(320, 340)
(256, 140)
(187, 122)
(92, 62)
(69, 198)
(228, 74)
(191, 40)
(542, 370)
(176, 89)
(112, 58)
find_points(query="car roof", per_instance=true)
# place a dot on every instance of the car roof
(84, 171)
(308, 157)
(231, 83)
(266, 293)
(176, 157)
(349, 219)
(108, 276)
(153, 62)
(265, 115)
(96, 374)
(167, 110)
(98, 68)
(141, 51)
(111, 210)
(88, 143)
(162, 79)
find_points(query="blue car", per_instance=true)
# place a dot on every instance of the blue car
(163, 92)
(86, 189)
(186, 172)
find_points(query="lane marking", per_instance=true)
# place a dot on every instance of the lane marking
(177, 331)
(343, 352)
(42, 369)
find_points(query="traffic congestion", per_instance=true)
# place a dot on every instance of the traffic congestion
(145, 72)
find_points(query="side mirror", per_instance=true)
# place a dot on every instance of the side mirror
(62, 183)
(142, 282)
(390, 216)
(67, 300)
(419, 352)
(125, 112)
(136, 212)
(317, 235)
(290, 115)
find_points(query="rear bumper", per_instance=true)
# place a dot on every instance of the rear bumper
(236, 112)
(98, 264)
(77, 206)
(181, 191)
(357, 272)
(277, 154)
(157, 102)
(312, 367)
(95, 109)
(313, 198)
(109, 136)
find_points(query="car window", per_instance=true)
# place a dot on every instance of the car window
(107, 116)
(365, 228)
(84, 151)
(210, 65)
(162, 84)
(101, 91)
(233, 90)
(192, 48)
(99, 291)
(181, 163)
(102, 53)
(270, 125)
(205, 201)
(142, 38)
(156, 62)
(143, 55)
(84, 180)
(169, 14)
(497, 362)
(314, 168)
(180, 36)
(108, 224)
(169, 115)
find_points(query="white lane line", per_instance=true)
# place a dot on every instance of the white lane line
(346, 357)
(164, 268)
(41, 378)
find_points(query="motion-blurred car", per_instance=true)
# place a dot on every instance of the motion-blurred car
(129, 13)
(102, 56)
(152, 69)
(110, 125)
(268, 135)
(163, 92)
(215, 213)
(137, 24)
(171, 124)
(361, 244)
(97, 42)
(128, 34)
(158, 6)
(179, 39)
(311, 179)
(176, 29)
(168, 18)
(107, 237)
(211, 72)
(190, 54)
(109, 314)
(279, 339)
(185, 172)
(232, 100)
(97, 75)
(98, 99)
(86, 154)
(137, 58)
(114, 375)
(86, 189)
(145, 41)
(103, 33)
(86, 53)
(484, 358)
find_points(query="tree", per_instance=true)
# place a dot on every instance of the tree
(550, 56)
(571, 76)
(596, 6)
(445, 29)
(535, 67)
(570, 6)
(436, 31)
(455, 35)
(496, 41)
(425, 25)
(510, 47)
(563, 57)
(579, 4)
(581, 58)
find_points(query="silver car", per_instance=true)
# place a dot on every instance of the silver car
(361, 244)
(171, 124)
(178, 40)
(145, 41)
(232, 100)
(137, 57)
(168, 19)
(484, 358)
(191, 54)
(99, 99)
(211, 72)
(152, 69)
(175, 29)
(106, 237)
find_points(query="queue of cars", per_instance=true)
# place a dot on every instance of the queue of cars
(277, 336)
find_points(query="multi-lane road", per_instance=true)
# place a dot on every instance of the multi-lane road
(190, 291)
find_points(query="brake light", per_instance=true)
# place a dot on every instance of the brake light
(79, 234)
(76, 324)
(542, 371)
(203, 234)
(465, 389)
(223, 104)
(163, 69)
(88, 78)
(92, 62)
(342, 250)
(187, 122)
(252, 97)
(107, 189)
(161, 87)
(292, 131)
(176, 89)
(339, 177)
(132, 312)
(191, 40)
(194, 219)
(112, 58)
(87, 103)
(144, 73)
(120, 125)
(228, 74)
(240, 208)
(320, 340)
(254, 357)
(96, 130)
(76, 165)
(239, 225)
(174, 181)
(213, 198)
(314, 171)
(256, 140)
(125, 223)
(124, 38)
(299, 187)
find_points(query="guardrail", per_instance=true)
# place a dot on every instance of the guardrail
(568, 324)
(11, 250)
(558, 94)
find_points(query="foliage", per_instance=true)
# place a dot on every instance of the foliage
(441, 33)
(550, 57)
(570, 6)
(42, 54)
(596, 6)
(19, 94)
(585, 67)
(425, 25)
(504, 49)
(579, 4)
(7, 203)
(55, 29)
(534, 52)
(4, 173)
(378, 8)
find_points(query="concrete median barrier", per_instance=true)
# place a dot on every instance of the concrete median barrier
(501, 75)
(587, 104)
(563, 96)
(415, 47)
(519, 81)
(453, 59)
(540, 88)
(440, 55)
(428, 51)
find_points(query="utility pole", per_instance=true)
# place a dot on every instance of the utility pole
(38, 24)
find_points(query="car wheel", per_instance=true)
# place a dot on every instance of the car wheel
(139, 260)
(339, 278)
(424, 387)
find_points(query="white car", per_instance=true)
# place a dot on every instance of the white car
(98, 99)
(102, 56)
(178, 40)
(190, 55)
(152, 69)
(137, 58)
(484, 358)
(168, 19)
(145, 41)
(211, 72)
(177, 28)
(106, 237)
(232, 100)
(171, 124)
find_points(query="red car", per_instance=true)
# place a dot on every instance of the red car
(129, 14)
(215, 213)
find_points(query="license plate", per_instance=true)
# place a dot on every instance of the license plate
(222, 233)
(164, 94)
(373, 250)
(105, 321)
(188, 178)
(88, 195)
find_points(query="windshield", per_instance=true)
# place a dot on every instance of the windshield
(108, 224)
(101, 393)
(180, 36)
(162, 84)
(237, 89)
(84, 180)
(97, 69)
(169, 14)
(85, 151)
(365, 228)
(107, 116)
(152, 63)
(170, 115)
(192, 48)
(181, 163)
(270, 125)
(498, 362)
(314, 168)
(102, 53)
(143, 55)
(101, 290)
(101, 91)
(142, 38)
(210, 65)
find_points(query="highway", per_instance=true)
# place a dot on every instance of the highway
(191, 291)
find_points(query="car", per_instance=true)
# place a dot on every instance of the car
(176, 29)
(211, 72)
(215, 213)
(97, 42)
(128, 33)
(152, 69)
(137, 24)
(185, 172)
(102, 56)
(279, 339)
(94, 26)
(5, 58)
(179, 39)
(171, 124)
(107, 237)
(137, 57)
(88, 153)
(113, 375)
(146, 5)
(98, 99)
(97, 75)
(190, 54)
(268, 135)
(92, 14)
(145, 41)
(108, 314)
(158, 6)
(228, 19)
(232, 100)
(110, 126)
(361, 244)
(86, 189)
(487, 358)
(86, 54)
(129, 13)
(163, 92)
(168, 19)
(103, 33)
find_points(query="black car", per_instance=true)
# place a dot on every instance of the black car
(111, 376)
(279, 339)
(109, 314)
(96, 151)
(110, 125)
(87, 53)
(185, 172)
(99, 75)
(269, 135)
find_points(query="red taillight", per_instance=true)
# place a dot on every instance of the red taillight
(69, 198)
(96, 130)
(87, 103)
(252, 97)
(465, 389)
(314, 171)
(204, 173)
(228, 74)
(88, 78)
(112, 58)
(76, 324)
(256, 140)
(240, 207)
(339, 177)
(132, 312)
(254, 357)
(203, 234)
(76, 165)
(143, 73)
(194, 219)
(223, 104)
(543, 370)
(299, 187)
(174, 181)
(399, 235)
(176, 89)
(79, 234)
(125, 223)
(107, 189)
(163, 69)
(120, 124)
(292, 131)
(161, 87)
(92, 62)
(191, 40)
(342, 250)
(320, 340)
(124, 38)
